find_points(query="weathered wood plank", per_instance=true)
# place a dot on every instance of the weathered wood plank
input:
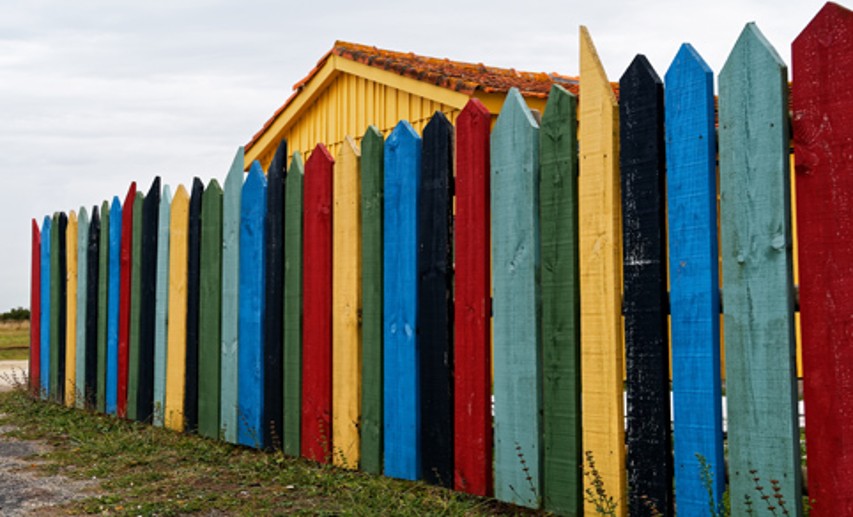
(643, 163)
(233, 188)
(346, 307)
(176, 345)
(148, 301)
(59, 289)
(823, 131)
(82, 307)
(250, 387)
(435, 301)
(694, 284)
(558, 223)
(35, 310)
(71, 309)
(161, 311)
(209, 324)
(517, 311)
(193, 301)
(44, 345)
(103, 306)
(55, 309)
(472, 390)
(93, 284)
(758, 298)
(274, 292)
(133, 358)
(372, 178)
(317, 308)
(292, 389)
(401, 369)
(600, 254)
(126, 267)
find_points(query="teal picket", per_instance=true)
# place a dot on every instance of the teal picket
(161, 310)
(82, 276)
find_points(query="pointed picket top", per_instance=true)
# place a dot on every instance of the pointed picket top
(832, 23)
(181, 195)
(297, 164)
(154, 189)
(115, 209)
(438, 124)
(82, 215)
(279, 160)
(640, 73)
(751, 55)
(687, 61)
(166, 198)
(513, 112)
(402, 134)
(235, 173)
(320, 153)
(130, 197)
(474, 110)
(350, 147)
(561, 104)
(591, 64)
(256, 180)
(213, 187)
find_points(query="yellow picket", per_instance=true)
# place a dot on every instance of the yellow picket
(71, 309)
(176, 354)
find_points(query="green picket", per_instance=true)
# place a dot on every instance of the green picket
(209, 314)
(293, 305)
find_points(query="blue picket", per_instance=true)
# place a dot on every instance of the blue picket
(113, 306)
(44, 346)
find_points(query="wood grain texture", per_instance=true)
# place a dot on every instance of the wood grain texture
(401, 371)
(193, 302)
(82, 307)
(274, 286)
(161, 311)
(472, 390)
(517, 309)
(176, 344)
(600, 252)
(71, 309)
(694, 284)
(133, 357)
(823, 131)
(125, 286)
(148, 286)
(293, 238)
(758, 298)
(44, 345)
(346, 307)
(643, 163)
(435, 301)
(316, 422)
(34, 363)
(558, 223)
(232, 195)
(250, 385)
(93, 285)
(103, 307)
(372, 180)
(209, 325)
(58, 294)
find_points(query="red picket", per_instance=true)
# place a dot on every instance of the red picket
(124, 299)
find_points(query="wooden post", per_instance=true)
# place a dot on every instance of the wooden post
(316, 422)
(161, 311)
(230, 297)
(823, 131)
(558, 222)
(401, 370)
(643, 163)
(133, 357)
(148, 301)
(93, 283)
(35, 310)
(44, 346)
(176, 347)
(346, 307)
(600, 253)
(693, 273)
(435, 301)
(293, 239)
(58, 289)
(193, 301)
(82, 308)
(103, 306)
(372, 179)
(274, 292)
(126, 266)
(71, 309)
(209, 324)
(472, 390)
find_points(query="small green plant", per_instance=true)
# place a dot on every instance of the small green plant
(595, 493)
(716, 509)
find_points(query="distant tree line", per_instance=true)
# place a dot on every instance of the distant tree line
(16, 314)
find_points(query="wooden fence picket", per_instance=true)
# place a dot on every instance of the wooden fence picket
(176, 345)
(293, 238)
(193, 302)
(600, 255)
(250, 385)
(346, 307)
(472, 405)
(126, 267)
(758, 295)
(161, 310)
(401, 384)
(694, 284)
(133, 357)
(231, 198)
(316, 431)
(44, 346)
(58, 288)
(517, 338)
(274, 292)
(71, 309)
(103, 307)
(93, 284)
(823, 131)
(372, 181)
(210, 289)
(558, 223)
(148, 301)
(643, 162)
(82, 308)
(35, 310)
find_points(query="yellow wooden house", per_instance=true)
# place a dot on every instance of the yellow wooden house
(354, 86)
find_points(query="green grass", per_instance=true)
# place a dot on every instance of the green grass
(146, 470)
(14, 341)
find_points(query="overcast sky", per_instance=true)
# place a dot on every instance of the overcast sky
(97, 93)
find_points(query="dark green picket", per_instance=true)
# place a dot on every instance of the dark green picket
(292, 398)
(209, 351)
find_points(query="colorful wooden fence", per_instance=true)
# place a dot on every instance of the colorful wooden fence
(341, 309)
